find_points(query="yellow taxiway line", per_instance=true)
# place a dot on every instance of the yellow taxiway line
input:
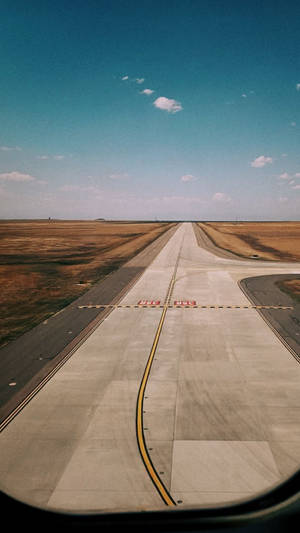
(164, 493)
(167, 498)
(139, 420)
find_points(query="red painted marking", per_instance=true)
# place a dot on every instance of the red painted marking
(149, 302)
(185, 302)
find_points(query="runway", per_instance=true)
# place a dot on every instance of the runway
(166, 404)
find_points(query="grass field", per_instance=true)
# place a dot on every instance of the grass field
(44, 265)
(272, 241)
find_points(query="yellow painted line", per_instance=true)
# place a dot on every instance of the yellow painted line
(139, 420)
(165, 495)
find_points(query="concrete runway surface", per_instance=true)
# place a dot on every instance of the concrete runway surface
(219, 410)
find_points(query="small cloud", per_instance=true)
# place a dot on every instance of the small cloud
(244, 95)
(181, 200)
(147, 91)
(221, 197)
(282, 199)
(261, 161)
(286, 176)
(293, 124)
(125, 78)
(188, 177)
(80, 188)
(69, 188)
(167, 104)
(119, 176)
(16, 176)
(10, 148)
(296, 187)
(291, 182)
(56, 157)
(283, 155)
(41, 182)
(298, 86)
(140, 80)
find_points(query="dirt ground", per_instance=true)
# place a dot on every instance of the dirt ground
(44, 265)
(272, 241)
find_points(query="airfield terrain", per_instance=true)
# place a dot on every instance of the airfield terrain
(181, 396)
(274, 241)
(45, 265)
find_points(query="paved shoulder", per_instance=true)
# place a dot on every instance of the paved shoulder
(264, 290)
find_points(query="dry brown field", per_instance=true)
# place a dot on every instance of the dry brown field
(44, 265)
(272, 241)
(292, 287)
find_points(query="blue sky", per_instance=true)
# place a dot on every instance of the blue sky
(150, 109)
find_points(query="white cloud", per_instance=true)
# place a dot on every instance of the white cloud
(147, 91)
(293, 124)
(244, 95)
(140, 80)
(188, 177)
(5, 148)
(221, 197)
(69, 188)
(283, 155)
(56, 157)
(125, 78)
(298, 86)
(10, 148)
(80, 188)
(167, 104)
(119, 176)
(16, 176)
(181, 200)
(296, 187)
(282, 199)
(284, 176)
(261, 161)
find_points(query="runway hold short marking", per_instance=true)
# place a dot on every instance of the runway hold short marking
(149, 302)
(185, 303)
